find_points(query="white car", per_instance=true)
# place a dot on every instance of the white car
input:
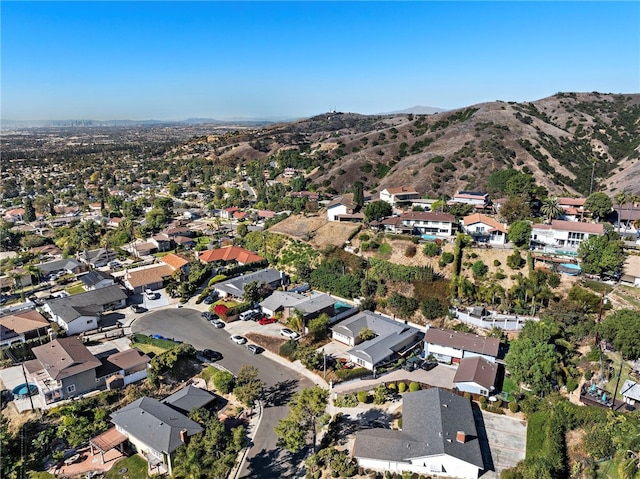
(288, 333)
(238, 339)
(150, 294)
(217, 323)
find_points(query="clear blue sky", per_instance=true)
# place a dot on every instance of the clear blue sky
(175, 60)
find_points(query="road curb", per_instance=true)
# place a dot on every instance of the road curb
(235, 471)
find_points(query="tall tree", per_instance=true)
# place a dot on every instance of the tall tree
(358, 193)
(550, 209)
(248, 387)
(29, 210)
(599, 205)
(306, 416)
(377, 210)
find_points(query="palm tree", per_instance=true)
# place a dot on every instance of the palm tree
(550, 208)
(621, 198)
(633, 200)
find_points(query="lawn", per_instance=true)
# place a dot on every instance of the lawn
(608, 469)
(136, 468)
(616, 358)
(75, 289)
(148, 348)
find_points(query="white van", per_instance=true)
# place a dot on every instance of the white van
(247, 315)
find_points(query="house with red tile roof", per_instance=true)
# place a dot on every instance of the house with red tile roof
(229, 254)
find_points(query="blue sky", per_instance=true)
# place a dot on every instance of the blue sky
(176, 60)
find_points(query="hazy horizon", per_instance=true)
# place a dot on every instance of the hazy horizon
(171, 61)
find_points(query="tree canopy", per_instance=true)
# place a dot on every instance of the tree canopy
(601, 254)
(377, 210)
(598, 204)
(622, 328)
(306, 415)
(520, 233)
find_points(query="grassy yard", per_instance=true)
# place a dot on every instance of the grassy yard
(135, 465)
(148, 348)
(616, 358)
(75, 289)
(608, 469)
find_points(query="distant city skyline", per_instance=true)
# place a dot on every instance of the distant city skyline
(229, 60)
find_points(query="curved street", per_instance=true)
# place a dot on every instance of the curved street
(264, 459)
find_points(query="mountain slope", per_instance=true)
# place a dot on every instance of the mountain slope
(557, 139)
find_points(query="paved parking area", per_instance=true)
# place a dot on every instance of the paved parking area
(506, 438)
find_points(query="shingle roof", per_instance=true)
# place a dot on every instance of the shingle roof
(593, 228)
(189, 398)
(20, 323)
(89, 303)
(428, 216)
(68, 264)
(65, 357)
(155, 424)
(235, 286)
(94, 277)
(230, 253)
(431, 419)
(477, 370)
(346, 200)
(466, 341)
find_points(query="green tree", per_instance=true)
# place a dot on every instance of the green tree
(175, 189)
(515, 208)
(29, 210)
(532, 364)
(377, 210)
(522, 185)
(431, 249)
(622, 328)
(306, 415)
(550, 208)
(479, 269)
(223, 381)
(600, 254)
(432, 308)
(242, 230)
(366, 334)
(599, 205)
(319, 327)
(251, 292)
(497, 181)
(520, 233)
(247, 385)
(358, 193)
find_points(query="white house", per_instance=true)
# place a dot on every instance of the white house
(400, 196)
(438, 438)
(631, 271)
(343, 208)
(572, 208)
(484, 229)
(450, 346)
(473, 198)
(430, 223)
(96, 279)
(564, 235)
(476, 375)
(630, 391)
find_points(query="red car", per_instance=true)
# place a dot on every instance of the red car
(267, 320)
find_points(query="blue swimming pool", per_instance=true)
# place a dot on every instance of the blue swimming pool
(24, 390)
(339, 306)
(570, 269)
(429, 237)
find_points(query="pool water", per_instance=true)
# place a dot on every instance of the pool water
(25, 390)
(339, 306)
(429, 237)
(570, 269)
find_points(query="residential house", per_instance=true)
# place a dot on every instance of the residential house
(343, 208)
(141, 248)
(114, 222)
(563, 235)
(81, 312)
(177, 262)
(20, 326)
(65, 265)
(96, 279)
(287, 302)
(234, 287)
(162, 241)
(184, 242)
(484, 229)
(120, 369)
(47, 250)
(631, 271)
(628, 218)
(16, 278)
(572, 208)
(393, 224)
(630, 392)
(476, 199)
(189, 398)
(400, 196)
(450, 346)
(391, 337)
(476, 375)
(14, 215)
(151, 276)
(229, 254)
(430, 223)
(228, 213)
(97, 258)
(438, 438)
(157, 429)
(63, 368)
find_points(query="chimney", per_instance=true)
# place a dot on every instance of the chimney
(185, 438)
(461, 437)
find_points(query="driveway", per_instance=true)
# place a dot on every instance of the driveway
(503, 441)
(265, 459)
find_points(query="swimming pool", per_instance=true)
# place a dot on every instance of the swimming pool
(569, 269)
(339, 306)
(24, 390)
(429, 237)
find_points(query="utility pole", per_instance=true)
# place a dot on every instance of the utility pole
(615, 391)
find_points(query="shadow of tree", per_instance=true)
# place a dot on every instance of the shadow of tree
(280, 393)
(274, 464)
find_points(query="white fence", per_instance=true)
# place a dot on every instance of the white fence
(503, 321)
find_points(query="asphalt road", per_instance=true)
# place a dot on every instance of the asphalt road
(265, 459)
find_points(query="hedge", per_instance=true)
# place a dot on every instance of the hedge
(346, 374)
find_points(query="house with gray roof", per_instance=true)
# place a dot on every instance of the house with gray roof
(268, 277)
(67, 265)
(391, 337)
(630, 391)
(155, 430)
(81, 312)
(311, 306)
(96, 279)
(189, 398)
(97, 258)
(438, 438)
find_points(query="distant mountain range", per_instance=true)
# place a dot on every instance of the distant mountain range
(416, 110)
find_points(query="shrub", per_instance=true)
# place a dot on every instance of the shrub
(483, 402)
(413, 387)
(363, 397)
(346, 400)
(498, 403)
(223, 381)
(514, 407)
(392, 388)
(447, 258)
(410, 251)
(496, 263)
(402, 387)
(431, 249)
(346, 374)
(588, 375)
(288, 349)
(479, 269)
(515, 260)
(467, 395)
(364, 237)
(216, 279)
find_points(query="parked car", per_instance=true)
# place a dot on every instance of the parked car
(209, 300)
(267, 320)
(150, 294)
(136, 308)
(114, 264)
(217, 323)
(428, 365)
(206, 315)
(254, 349)
(249, 314)
(288, 333)
(211, 355)
(238, 339)
(159, 336)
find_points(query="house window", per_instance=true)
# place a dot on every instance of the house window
(484, 392)
(71, 388)
(89, 321)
